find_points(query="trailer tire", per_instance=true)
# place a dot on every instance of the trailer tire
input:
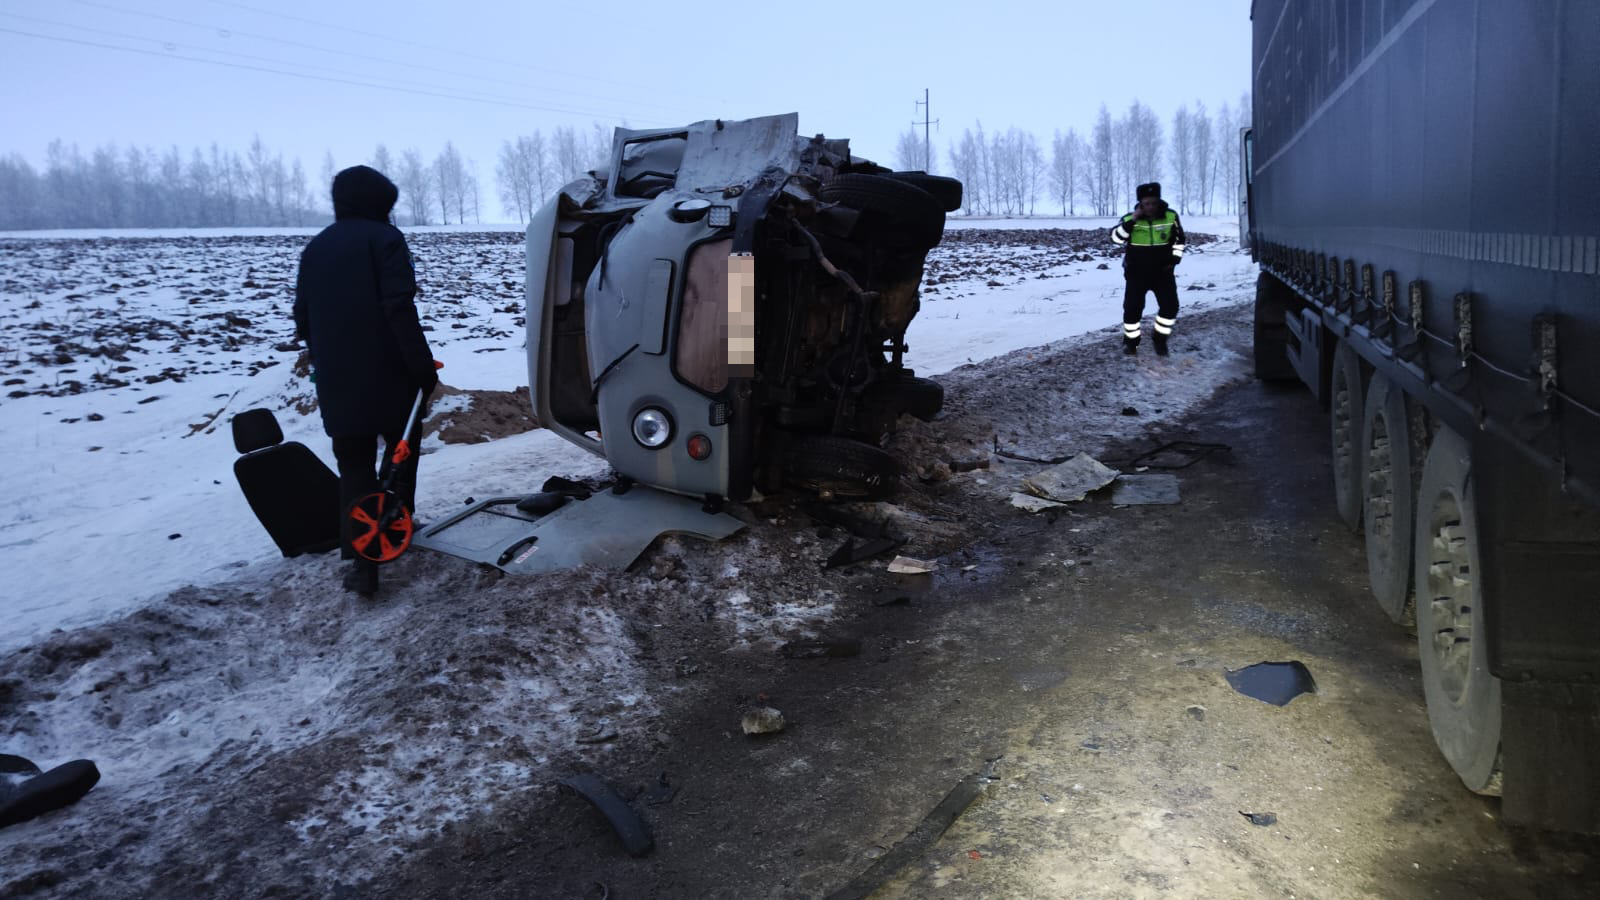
(1344, 416)
(1386, 517)
(1273, 305)
(1463, 696)
(889, 206)
(839, 466)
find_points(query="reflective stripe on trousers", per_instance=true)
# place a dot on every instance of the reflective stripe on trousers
(1164, 324)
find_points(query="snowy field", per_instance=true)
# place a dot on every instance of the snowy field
(123, 356)
(257, 729)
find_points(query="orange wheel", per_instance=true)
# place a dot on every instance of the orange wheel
(380, 527)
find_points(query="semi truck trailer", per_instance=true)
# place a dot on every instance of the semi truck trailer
(1423, 197)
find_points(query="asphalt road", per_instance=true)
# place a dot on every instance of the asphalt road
(1083, 662)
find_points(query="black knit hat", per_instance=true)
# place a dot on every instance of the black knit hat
(1153, 189)
(363, 192)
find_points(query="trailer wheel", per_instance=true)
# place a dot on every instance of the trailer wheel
(1386, 513)
(1463, 697)
(1273, 305)
(1344, 412)
(839, 466)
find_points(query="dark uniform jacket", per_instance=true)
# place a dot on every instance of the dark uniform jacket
(1150, 245)
(354, 305)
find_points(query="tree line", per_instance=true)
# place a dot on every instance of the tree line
(1011, 172)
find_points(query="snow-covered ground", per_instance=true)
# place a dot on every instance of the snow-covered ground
(125, 357)
(361, 730)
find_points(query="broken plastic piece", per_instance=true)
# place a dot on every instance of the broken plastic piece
(1145, 490)
(26, 792)
(915, 844)
(1262, 818)
(636, 837)
(905, 565)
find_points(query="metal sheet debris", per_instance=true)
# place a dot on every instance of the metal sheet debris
(1070, 481)
(905, 565)
(1145, 490)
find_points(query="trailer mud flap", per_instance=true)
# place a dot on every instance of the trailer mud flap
(606, 531)
(1305, 348)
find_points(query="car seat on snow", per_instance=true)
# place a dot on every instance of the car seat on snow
(292, 492)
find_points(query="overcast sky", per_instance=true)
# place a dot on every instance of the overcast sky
(478, 72)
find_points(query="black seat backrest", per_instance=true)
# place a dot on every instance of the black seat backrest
(254, 429)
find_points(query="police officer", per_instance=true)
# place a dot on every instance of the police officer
(355, 306)
(1153, 242)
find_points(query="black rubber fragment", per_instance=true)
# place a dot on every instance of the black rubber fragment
(635, 835)
(915, 845)
(61, 786)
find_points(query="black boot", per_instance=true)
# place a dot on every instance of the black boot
(362, 578)
(1130, 346)
(1160, 342)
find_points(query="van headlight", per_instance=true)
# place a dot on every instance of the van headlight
(652, 427)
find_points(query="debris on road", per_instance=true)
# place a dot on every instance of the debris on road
(852, 552)
(1262, 818)
(1273, 682)
(1030, 503)
(1196, 712)
(1070, 481)
(762, 720)
(635, 835)
(1145, 490)
(913, 845)
(905, 565)
(820, 648)
(26, 791)
(1177, 455)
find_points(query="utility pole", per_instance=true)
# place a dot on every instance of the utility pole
(927, 138)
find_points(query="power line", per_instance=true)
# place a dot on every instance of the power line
(421, 46)
(230, 32)
(254, 68)
(171, 46)
(927, 136)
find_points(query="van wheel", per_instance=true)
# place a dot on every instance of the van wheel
(1386, 513)
(1463, 697)
(1344, 412)
(1273, 305)
(945, 190)
(889, 205)
(911, 396)
(839, 467)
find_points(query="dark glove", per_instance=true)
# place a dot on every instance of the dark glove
(428, 380)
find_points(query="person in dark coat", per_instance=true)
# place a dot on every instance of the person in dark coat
(1153, 242)
(355, 307)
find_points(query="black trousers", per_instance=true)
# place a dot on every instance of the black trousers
(355, 456)
(1140, 282)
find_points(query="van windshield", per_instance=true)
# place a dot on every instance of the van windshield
(650, 166)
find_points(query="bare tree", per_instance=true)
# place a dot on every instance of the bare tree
(515, 180)
(1102, 144)
(966, 163)
(1067, 154)
(1203, 156)
(913, 153)
(1183, 135)
(382, 161)
(415, 180)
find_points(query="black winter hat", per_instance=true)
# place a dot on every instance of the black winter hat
(1153, 189)
(363, 192)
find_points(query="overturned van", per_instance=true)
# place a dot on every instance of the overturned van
(723, 309)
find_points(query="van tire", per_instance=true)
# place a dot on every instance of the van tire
(889, 206)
